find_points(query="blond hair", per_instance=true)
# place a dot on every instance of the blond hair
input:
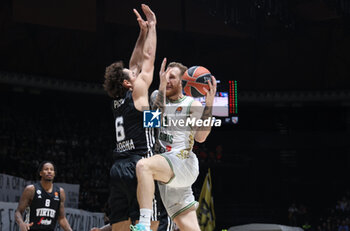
(182, 67)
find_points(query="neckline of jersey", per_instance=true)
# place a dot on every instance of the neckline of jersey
(178, 100)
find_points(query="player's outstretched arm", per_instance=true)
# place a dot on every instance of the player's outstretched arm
(62, 220)
(149, 49)
(203, 131)
(144, 79)
(136, 60)
(159, 101)
(24, 202)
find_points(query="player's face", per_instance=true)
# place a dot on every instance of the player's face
(48, 172)
(173, 86)
(132, 77)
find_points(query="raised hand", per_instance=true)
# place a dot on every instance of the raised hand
(151, 17)
(159, 101)
(142, 23)
(162, 74)
(209, 98)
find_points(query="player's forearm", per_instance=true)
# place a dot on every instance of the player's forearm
(203, 132)
(160, 99)
(64, 224)
(149, 48)
(18, 217)
(137, 56)
(107, 227)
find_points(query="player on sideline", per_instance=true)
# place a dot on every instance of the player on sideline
(45, 201)
(177, 168)
(129, 90)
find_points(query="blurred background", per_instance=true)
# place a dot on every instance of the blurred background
(287, 159)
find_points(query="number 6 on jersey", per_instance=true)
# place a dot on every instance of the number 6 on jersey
(119, 128)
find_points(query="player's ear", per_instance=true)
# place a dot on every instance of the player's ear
(127, 84)
(180, 81)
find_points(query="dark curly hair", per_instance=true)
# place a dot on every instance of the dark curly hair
(114, 78)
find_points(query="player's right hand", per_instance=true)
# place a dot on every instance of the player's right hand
(162, 74)
(25, 226)
(209, 98)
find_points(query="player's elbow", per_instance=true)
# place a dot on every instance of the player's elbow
(200, 139)
(18, 212)
(149, 53)
(61, 220)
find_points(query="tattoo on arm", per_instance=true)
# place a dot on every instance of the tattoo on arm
(160, 101)
(207, 112)
(24, 201)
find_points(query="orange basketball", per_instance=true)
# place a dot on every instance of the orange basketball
(195, 80)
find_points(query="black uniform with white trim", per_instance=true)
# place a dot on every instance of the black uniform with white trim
(44, 209)
(132, 138)
(133, 143)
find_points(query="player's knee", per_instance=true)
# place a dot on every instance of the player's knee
(142, 166)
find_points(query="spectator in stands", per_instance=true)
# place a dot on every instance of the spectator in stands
(344, 226)
(342, 204)
(292, 215)
(218, 153)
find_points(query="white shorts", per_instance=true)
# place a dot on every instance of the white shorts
(177, 195)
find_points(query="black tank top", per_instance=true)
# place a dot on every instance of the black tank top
(132, 138)
(44, 209)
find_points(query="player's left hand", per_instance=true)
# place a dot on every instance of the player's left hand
(142, 23)
(95, 229)
(209, 98)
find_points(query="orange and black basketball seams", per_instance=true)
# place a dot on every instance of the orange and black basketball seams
(195, 80)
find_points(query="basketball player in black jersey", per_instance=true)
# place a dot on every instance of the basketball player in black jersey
(45, 201)
(129, 90)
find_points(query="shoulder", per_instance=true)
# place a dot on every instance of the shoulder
(61, 190)
(196, 103)
(196, 107)
(29, 191)
(30, 188)
(62, 193)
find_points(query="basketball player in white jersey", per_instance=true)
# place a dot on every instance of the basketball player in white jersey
(176, 169)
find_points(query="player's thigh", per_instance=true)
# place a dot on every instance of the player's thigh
(121, 226)
(158, 165)
(187, 221)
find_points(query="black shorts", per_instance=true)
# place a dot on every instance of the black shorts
(123, 200)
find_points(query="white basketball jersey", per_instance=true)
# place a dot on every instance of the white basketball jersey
(174, 134)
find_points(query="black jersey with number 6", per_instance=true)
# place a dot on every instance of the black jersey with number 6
(132, 137)
(44, 209)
